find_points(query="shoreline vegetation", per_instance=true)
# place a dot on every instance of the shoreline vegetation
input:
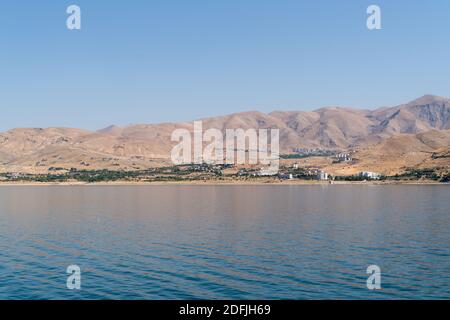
(206, 174)
(220, 183)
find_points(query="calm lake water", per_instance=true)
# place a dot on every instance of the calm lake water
(224, 242)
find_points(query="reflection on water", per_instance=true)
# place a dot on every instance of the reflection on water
(224, 242)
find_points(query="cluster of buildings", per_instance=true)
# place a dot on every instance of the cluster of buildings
(343, 157)
(206, 168)
(14, 176)
(322, 175)
(286, 176)
(313, 152)
(311, 174)
(294, 171)
(370, 175)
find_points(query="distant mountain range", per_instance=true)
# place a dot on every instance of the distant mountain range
(416, 132)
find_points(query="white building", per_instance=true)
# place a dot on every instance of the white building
(344, 157)
(269, 171)
(370, 175)
(322, 175)
(286, 176)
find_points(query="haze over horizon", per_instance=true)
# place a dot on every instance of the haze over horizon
(176, 61)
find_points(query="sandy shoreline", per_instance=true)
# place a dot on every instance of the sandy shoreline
(216, 183)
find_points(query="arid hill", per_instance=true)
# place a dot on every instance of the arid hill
(386, 139)
(396, 154)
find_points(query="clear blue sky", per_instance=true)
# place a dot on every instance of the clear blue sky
(149, 61)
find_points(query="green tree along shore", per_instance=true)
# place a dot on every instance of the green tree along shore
(202, 172)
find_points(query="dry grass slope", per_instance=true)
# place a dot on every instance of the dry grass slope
(387, 140)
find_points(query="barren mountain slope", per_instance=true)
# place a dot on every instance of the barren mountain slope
(399, 152)
(381, 136)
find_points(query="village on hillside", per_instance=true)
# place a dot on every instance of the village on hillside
(303, 165)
